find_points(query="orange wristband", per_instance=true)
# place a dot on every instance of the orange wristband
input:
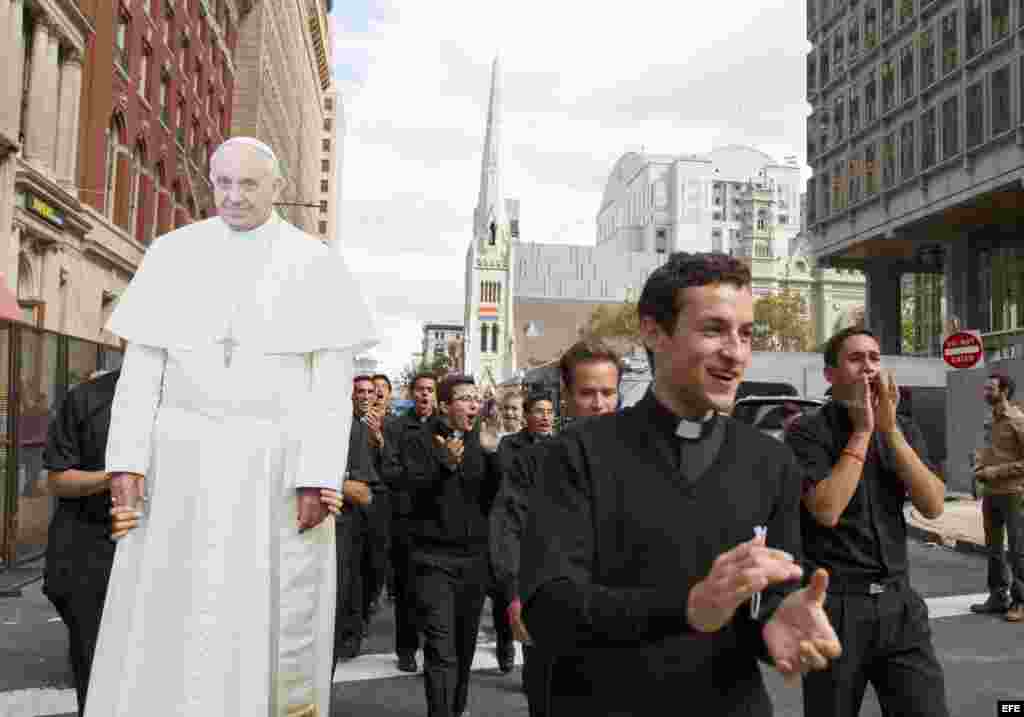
(853, 454)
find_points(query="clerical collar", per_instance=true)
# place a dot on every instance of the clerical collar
(671, 423)
(263, 231)
(693, 430)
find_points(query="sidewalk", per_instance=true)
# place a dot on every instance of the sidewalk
(959, 527)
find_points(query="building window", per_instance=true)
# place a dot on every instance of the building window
(870, 99)
(870, 26)
(762, 251)
(838, 117)
(906, 11)
(325, 165)
(328, 124)
(950, 127)
(494, 339)
(907, 73)
(121, 43)
(761, 226)
(837, 188)
(853, 37)
(973, 28)
(927, 62)
(870, 170)
(326, 145)
(854, 171)
(661, 241)
(329, 104)
(147, 55)
(137, 202)
(165, 112)
(887, 18)
(114, 140)
(837, 49)
(1002, 115)
(928, 138)
(183, 52)
(854, 110)
(826, 63)
(888, 86)
(325, 186)
(975, 106)
(1000, 11)
(907, 150)
(811, 72)
(323, 227)
(323, 206)
(717, 216)
(483, 338)
(950, 51)
(889, 160)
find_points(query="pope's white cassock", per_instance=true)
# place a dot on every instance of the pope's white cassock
(235, 390)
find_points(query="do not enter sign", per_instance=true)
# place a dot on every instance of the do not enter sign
(962, 350)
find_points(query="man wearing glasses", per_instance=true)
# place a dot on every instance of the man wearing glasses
(452, 480)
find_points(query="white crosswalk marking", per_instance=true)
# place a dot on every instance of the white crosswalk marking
(48, 702)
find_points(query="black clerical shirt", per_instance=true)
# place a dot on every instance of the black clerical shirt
(79, 549)
(870, 541)
(392, 465)
(616, 538)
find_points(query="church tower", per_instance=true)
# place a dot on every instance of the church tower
(489, 350)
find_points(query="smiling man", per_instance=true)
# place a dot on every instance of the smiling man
(453, 481)
(638, 563)
(230, 418)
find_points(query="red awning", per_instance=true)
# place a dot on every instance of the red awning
(9, 308)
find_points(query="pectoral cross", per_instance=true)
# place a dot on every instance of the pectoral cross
(230, 344)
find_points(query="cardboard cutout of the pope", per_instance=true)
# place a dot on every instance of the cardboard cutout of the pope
(229, 434)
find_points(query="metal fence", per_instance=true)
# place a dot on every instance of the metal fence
(37, 368)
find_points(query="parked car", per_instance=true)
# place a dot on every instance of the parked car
(772, 414)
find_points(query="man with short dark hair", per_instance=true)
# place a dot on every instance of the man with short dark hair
(861, 461)
(79, 552)
(999, 469)
(590, 375)
(396, 433)
(453, 481)
(644, 548)
(511, 413)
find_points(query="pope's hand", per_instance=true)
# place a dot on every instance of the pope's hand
(799, 636)
(734, 578)
(123, 520)
(311, 510)
(515, 619)
(127, 494)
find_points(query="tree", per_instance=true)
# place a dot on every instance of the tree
(615, 323)
(437, 365)
(780, 323)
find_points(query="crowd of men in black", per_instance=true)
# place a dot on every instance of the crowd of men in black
(619, 552)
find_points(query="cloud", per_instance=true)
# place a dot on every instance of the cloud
(582, 85)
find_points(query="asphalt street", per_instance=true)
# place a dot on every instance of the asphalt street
(983, 657)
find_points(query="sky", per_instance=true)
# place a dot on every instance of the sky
(584, 83)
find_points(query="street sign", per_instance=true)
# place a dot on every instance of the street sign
(962, 349)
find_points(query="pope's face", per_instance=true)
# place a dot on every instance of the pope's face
(245, 186)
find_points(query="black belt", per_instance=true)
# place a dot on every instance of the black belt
(865, 586)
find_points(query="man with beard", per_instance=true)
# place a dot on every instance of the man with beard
(999, 468)
(453, 481)
(861, 462)
(639, 572)
(354, 526)
(397, 433)
(590, 374)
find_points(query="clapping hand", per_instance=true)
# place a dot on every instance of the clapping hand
(887, 399)
(454, 448)
(799, 636)
(735, 576)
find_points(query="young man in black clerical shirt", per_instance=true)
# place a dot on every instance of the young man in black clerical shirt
(590, 374)
(861, 461)
(453, 481)
(640, 573)
(79, 552)
(396, 433)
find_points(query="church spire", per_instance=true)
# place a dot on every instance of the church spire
(491, 205)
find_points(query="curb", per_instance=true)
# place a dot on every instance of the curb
(926, 535)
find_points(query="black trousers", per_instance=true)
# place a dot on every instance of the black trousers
(1005, 570)
(375, 550)
(499, 614)
(407, 631)
(886, 641)
(450, 596)
(348, 614)
(81, 612)
(537, 666)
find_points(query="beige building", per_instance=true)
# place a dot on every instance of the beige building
(283, 76)
(42, 222)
